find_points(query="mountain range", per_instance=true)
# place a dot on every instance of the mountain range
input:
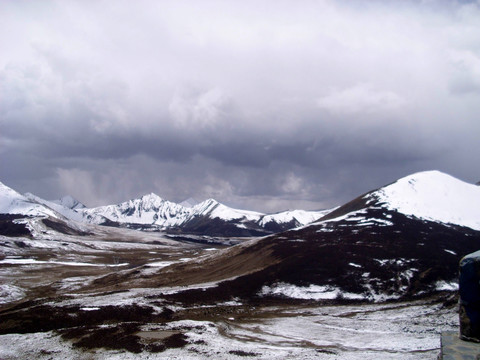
(400, 241)
(151, 212)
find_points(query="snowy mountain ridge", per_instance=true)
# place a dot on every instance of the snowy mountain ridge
(152, 210)
(12, 202)
(428, 195)
(214, 209)
(58, 208)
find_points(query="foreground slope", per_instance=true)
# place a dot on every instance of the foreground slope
(369, 249)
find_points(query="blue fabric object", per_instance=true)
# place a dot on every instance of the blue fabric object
(469, 288)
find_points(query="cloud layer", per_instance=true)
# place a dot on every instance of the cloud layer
(264, 106)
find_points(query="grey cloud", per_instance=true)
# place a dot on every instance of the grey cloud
(263, 106)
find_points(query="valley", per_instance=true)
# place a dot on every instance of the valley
(62, 307)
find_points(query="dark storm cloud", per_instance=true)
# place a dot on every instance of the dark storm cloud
(265, 106)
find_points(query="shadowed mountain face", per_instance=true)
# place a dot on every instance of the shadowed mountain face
(336, 261)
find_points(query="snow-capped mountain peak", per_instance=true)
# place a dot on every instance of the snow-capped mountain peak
(213, 209)
(301, 217)
(12, 202)
(427, 195)
(149, 201)
(435, 196)
(205, 206)
(149, 209)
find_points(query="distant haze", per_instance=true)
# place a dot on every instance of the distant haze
(261, 105)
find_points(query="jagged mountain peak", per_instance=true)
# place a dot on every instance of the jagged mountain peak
(206, 207)
(150, 209)
(149, 201)
(151, 197)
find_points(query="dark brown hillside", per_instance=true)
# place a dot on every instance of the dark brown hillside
(405, 259)
(8, 227)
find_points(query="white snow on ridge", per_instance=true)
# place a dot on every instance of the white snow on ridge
(434, 196)
(303, 217)
(11, 202)
(149, 209)
(429, 195)
(61, 209)
(214, 209)
(446, 286)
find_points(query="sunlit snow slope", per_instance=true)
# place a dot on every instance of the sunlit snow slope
(434, 196)
(11, 202)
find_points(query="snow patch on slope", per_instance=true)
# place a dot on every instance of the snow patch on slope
(9, 293)
(311, 292)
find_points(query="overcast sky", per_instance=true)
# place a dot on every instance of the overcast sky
(262, 105)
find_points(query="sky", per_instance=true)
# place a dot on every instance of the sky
(262, 105)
